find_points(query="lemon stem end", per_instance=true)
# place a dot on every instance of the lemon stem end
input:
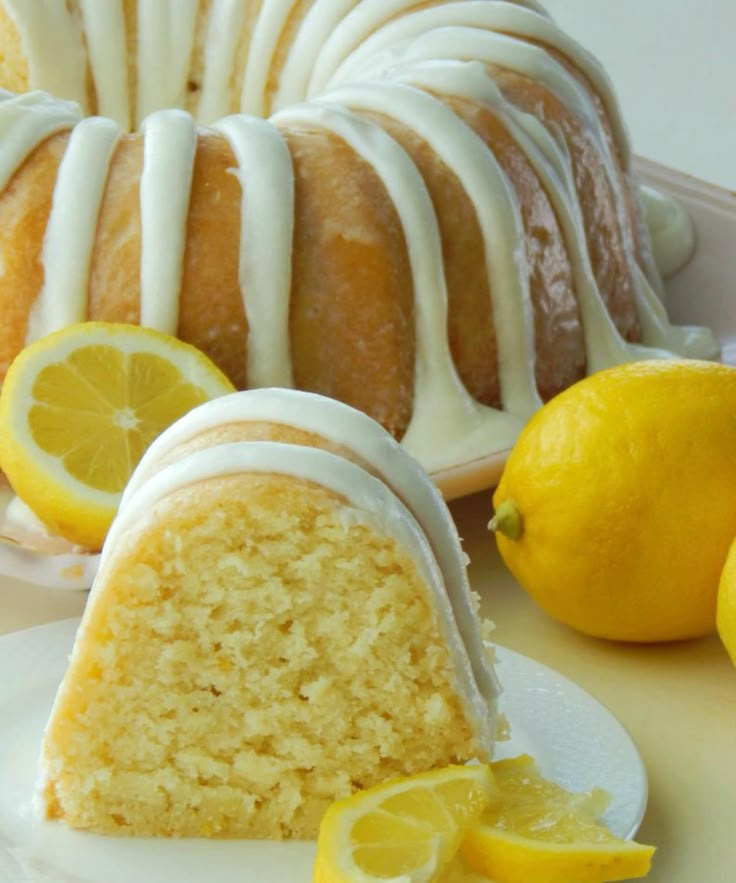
(507, 520)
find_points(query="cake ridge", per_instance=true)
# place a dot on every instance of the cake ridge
(267, 175)
(169, 145)
(604, 344)
(63, 298)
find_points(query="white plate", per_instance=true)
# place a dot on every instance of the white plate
(576, 741)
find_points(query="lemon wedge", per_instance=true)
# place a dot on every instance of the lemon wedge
(407, 829)
(535, 830)
(79, 407)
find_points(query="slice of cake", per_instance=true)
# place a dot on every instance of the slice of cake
(281, 616)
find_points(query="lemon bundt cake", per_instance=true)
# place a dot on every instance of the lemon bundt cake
(280, 616)
(423, 209)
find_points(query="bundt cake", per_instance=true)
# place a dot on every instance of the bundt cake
(281, 615)
(423, 209)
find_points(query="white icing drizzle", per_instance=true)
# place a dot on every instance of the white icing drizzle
(474, 44)
(645, 252)
(464, 43)
(497, 210)
(518, 21)
(603, 344)
(272, 18)
(70, 234)
(533, 5)
(224, 26)
(169, 145)
(671, 229)
(348, 34)
(315, 29)
(51, 34)
(104, 29)
(447, 426)
(686, 340)
(371, 502)
(25, 122)
(531, 61)
(165, 41)
(368, 16)
(266, 227)
(381, 454)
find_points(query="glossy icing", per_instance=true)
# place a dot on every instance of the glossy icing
(267, 178)
(104, 27)
(165, 37)
(25, 122)
(447, 426)
(671, 228)
(66, 259)
(169, 144)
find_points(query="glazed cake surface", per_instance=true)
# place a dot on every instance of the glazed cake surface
(424, 210)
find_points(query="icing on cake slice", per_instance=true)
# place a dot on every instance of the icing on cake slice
(281, 616)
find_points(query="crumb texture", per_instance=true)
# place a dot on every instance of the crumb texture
(251, 655)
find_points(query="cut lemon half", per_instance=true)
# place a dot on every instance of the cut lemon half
(535, 830)
(407, 829)
(79, 407)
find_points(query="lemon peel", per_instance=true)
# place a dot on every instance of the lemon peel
(726, 604)
(624, 486)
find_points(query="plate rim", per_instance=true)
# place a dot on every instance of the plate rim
(614, 720)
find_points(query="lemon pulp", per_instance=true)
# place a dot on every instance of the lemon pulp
(78, 409)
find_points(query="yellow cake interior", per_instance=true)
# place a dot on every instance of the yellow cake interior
(230, 680)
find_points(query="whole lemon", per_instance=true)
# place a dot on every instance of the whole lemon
(726, 608)
(617, 506)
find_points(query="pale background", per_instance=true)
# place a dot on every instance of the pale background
(673, 65)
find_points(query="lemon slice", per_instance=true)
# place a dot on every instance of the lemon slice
(407, 829)
(534, 830)
(78, 409)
